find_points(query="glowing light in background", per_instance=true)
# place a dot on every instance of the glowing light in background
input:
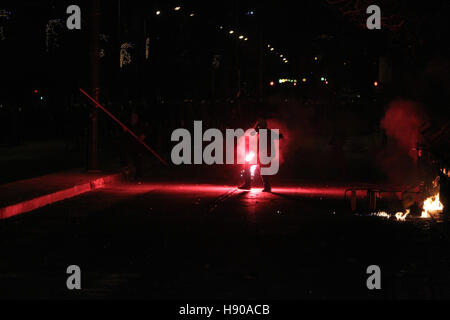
(287, 81)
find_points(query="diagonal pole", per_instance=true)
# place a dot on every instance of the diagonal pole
(123, 126)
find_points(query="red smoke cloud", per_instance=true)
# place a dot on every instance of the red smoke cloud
(402, 122)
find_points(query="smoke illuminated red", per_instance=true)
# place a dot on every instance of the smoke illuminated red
(401, 123)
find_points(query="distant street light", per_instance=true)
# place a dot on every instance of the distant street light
(177, 8)
(231, 32)
(158, 13)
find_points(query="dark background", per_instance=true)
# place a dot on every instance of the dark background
(177, 83)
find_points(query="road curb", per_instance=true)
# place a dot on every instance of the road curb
(41, 201)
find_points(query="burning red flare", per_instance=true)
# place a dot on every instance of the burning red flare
(249, 157)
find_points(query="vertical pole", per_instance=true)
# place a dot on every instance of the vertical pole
(238, 62)
(213, 85)
(95, 31)
(118, 27)
(261, 61)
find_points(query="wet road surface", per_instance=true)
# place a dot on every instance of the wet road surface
(179, 241)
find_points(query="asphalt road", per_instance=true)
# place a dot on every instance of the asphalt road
(187, 241)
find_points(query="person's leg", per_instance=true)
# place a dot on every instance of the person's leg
(266, 182)
(247, 178)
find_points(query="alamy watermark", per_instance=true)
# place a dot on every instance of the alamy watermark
(74, 280)
(374, 281)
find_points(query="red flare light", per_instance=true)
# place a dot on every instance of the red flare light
(249, 156)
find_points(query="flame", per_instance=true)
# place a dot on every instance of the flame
(249, 156)
(400, 216)
(382, 214)
(432, 204)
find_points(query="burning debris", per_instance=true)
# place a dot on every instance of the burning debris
(432, 205)
(399, 216)
(381, 214)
